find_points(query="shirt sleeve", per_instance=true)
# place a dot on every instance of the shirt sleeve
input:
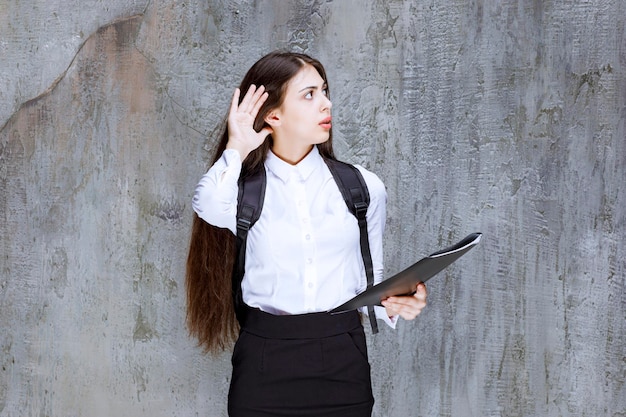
(376, 216)
(215, 197)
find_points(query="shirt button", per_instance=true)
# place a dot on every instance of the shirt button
(309, 261)
(310, 285)
(308, 237)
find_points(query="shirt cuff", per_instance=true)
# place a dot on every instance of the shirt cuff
(381, 314)
(230, 163)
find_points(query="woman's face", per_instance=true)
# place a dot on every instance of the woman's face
(303, 118)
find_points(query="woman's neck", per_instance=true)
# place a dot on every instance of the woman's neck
(291, 155)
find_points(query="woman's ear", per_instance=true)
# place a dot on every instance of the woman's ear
(273, 118)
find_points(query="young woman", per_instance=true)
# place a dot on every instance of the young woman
(302, 257)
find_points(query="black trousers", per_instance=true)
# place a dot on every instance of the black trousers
(300, 365)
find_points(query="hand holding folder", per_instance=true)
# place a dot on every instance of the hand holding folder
(404, 282)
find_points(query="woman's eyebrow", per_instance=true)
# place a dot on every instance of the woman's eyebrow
(312, 87)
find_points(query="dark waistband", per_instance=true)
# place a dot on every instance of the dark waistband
(300, 326)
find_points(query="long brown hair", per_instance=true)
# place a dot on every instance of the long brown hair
(210, 311)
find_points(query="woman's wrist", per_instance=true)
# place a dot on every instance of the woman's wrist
(243, 150)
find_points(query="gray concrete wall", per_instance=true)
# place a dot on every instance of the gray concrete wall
(505, 117)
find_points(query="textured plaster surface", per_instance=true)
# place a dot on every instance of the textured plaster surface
(505, 117)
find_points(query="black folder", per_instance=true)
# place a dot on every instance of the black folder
(404, 283)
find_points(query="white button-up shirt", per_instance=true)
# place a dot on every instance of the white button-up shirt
(303, 254)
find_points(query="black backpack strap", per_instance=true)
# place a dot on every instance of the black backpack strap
(250, 203)
(354, 191)
(249, 206)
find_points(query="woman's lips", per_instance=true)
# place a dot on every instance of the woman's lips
(326, 123)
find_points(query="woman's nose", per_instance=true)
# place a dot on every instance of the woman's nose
(326, 104)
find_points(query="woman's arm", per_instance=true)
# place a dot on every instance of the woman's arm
(215, 197)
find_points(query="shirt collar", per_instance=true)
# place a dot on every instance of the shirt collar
(301, 170)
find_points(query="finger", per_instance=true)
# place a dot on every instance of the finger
(259, 102)
(406, 307)
(405, 313)
(406, 303)
(263, 133)
(252, 95)
(420, 292)
(266, 131)
(410, 312)
(235, 103)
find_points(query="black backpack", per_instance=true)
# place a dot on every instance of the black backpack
(249, 206)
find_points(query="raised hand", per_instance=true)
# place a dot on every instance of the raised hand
(241, 133)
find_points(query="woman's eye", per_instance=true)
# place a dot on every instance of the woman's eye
(309, 95)
(325, 92)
